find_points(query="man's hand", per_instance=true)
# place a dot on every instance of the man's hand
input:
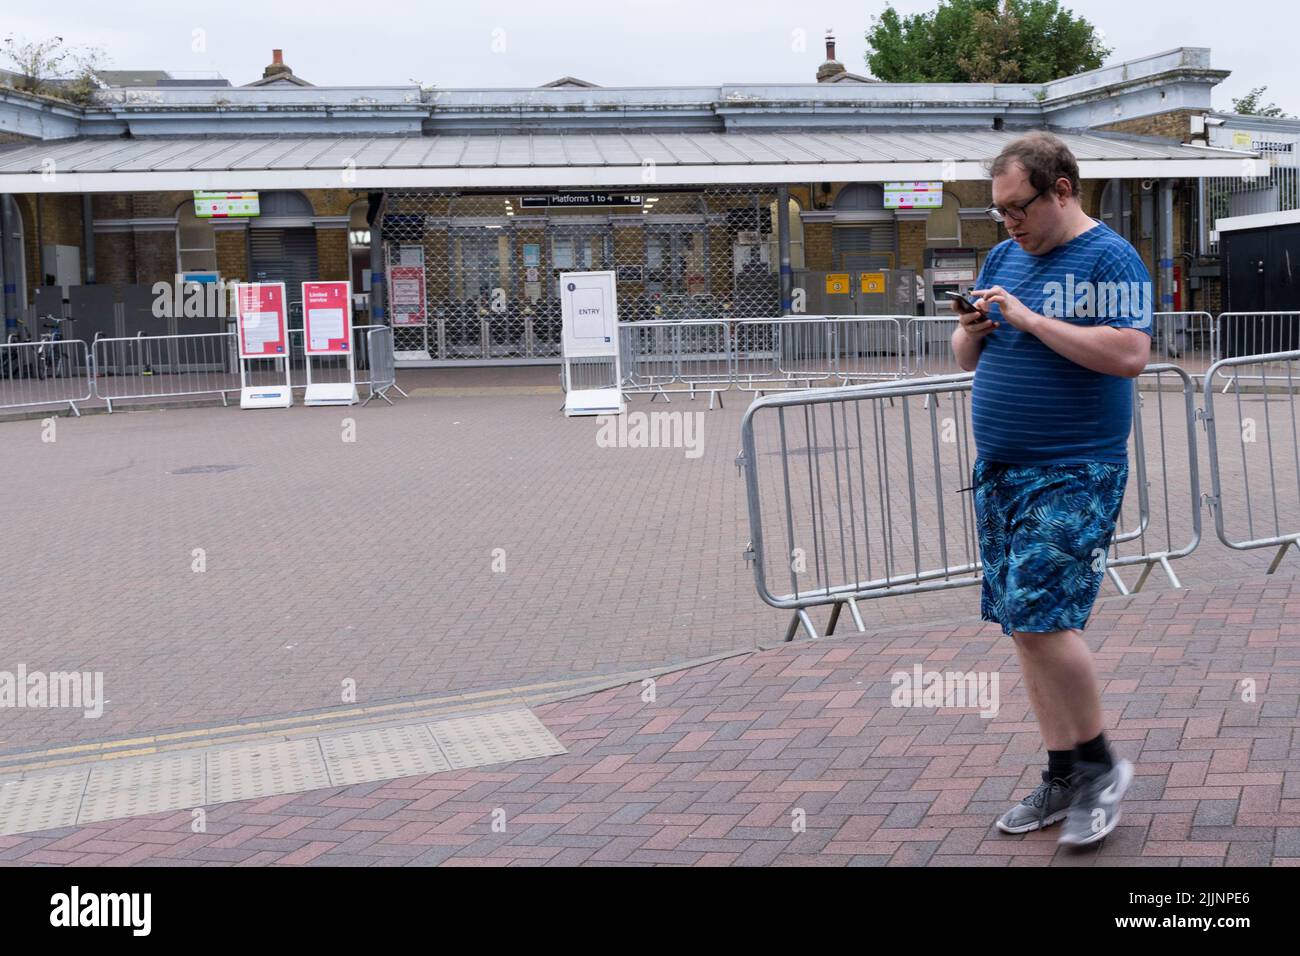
(968, 337)
(1013, 310)
(976, 325)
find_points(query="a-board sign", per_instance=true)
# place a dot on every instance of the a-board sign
(327, 317)
(260, 310)
(589, 330)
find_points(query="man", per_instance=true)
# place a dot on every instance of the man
(1063, 322)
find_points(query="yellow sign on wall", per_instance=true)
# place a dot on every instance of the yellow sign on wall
(837, 283)
(873, 282)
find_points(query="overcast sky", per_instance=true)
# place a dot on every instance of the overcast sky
(608, 42)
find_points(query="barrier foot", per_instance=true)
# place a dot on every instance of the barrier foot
(75, 410)
(224, 403)
(857, 616)
(109, 403)
(1173, 578)
(1163, 561)
(397, 388)
(1281, 553)
(1119, 582)
(718, 396)
(835, 616)
(800, 617)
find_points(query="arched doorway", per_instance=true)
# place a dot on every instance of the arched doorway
(282, 246)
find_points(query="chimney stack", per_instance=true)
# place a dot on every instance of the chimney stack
(277, 67)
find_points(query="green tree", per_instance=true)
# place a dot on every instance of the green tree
(1249, 105)
(983, 41)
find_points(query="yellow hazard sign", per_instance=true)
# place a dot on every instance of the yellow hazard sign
(873, 282)
(837, 283)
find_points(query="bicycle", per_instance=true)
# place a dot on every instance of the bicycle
(49, 354)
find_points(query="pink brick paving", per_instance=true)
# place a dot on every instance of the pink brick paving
(709, 773)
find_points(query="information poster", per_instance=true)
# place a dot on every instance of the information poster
(260, 320)
(406, 302)
(327, 318)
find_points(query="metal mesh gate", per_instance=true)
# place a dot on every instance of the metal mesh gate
(485, 265)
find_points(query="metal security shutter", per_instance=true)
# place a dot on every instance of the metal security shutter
(867, 246)
(288, 256)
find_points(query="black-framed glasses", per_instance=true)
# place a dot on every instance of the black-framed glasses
(1002, 213)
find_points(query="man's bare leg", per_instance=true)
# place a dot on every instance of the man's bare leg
(1062, 684)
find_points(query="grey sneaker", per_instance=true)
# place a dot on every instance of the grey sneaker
(1048, 804)
(1095, 809)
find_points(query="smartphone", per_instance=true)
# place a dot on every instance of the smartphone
(967, 304)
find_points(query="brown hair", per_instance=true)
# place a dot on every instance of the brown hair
(1045, 158)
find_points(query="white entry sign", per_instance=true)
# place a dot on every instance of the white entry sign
(588, 333)
(589, 311)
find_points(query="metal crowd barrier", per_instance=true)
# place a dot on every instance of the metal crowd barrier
(50, 372)
(791, 352)
(1166, 479)
(840, 512)
(1187, 339)
(164, 366)
(858, 500)
(692, 356)
(383, 366)
(929, 345)
(1252, 334)
(144, 367)
(1268, 460)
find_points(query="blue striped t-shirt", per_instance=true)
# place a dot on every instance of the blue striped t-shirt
(1031, 405)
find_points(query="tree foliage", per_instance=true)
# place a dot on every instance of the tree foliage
(51, 68)
(983, 41)
(1250, 105)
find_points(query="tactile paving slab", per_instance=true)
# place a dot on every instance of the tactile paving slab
(50, 799)
(131, 788)
(264, 770)
(502, 737)
(44, 800)
(383, 754)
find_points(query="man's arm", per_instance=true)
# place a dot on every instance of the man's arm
(1101, 348)
(966, 348)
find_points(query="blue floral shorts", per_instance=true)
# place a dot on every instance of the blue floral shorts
(1043, 535)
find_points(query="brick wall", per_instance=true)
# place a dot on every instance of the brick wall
(817, 246)
(1176, 125)
(232, 253)
(332, 253)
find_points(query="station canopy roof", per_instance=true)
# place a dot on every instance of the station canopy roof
(539, 160)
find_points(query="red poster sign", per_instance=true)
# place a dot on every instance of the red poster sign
(327, 317)
(260, 320)
(406, 301)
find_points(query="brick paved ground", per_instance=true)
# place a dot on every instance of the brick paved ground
(372, 560)
(711, 772)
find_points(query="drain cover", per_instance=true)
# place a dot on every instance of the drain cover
(205, 469)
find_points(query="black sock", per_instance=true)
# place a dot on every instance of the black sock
(1096, 751)
(1059, 764)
